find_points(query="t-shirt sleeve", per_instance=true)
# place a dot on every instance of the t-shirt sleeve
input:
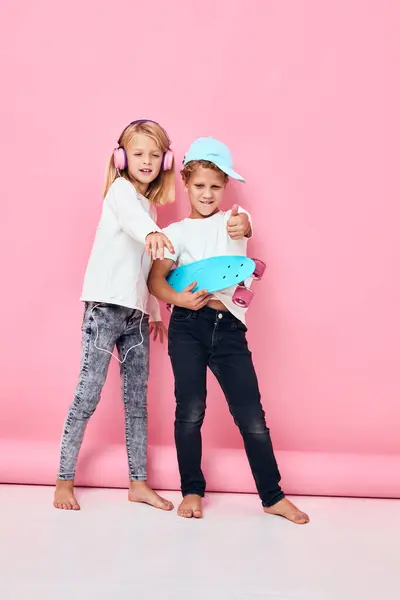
(172, 233)
(132, 217)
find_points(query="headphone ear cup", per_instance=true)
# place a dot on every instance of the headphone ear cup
(168, 160)
(120, 159)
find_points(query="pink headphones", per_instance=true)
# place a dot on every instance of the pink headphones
(120, 160)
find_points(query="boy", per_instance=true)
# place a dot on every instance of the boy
(209, 331)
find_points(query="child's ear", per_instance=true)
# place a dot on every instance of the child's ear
(185, 184)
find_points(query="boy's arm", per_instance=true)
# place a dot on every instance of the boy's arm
(157, 282)
(239, 224)
(160, 288)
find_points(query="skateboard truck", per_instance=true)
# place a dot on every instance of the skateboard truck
(243, 296)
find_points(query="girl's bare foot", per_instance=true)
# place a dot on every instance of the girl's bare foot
(139, 491)
(285, 508)
(64, 497)
(191, 506)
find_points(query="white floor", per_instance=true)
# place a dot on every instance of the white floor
(113, 549)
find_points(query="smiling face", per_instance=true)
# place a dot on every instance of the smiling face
(144, 161)
(205, 186)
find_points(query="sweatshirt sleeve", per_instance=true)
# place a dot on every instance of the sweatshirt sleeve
(153, 307)
(132, 217)
(172, 233)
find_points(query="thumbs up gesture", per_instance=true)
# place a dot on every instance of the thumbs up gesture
(238, 225)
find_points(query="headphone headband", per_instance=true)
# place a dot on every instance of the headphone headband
(136, 122)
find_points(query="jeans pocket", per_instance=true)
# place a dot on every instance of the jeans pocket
(238, 325)
(181, 314)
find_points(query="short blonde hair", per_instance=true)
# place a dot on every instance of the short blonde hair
(162, 189)
(193, 165)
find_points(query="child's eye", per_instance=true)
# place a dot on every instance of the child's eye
(216, 187)
(138, 154)
(156, 155)
(198, 185)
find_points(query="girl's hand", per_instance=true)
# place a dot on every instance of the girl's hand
(238, 225)
(155, 244)
(192, 300)
(159, 330)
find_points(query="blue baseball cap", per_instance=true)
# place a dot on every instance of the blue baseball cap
(210, 149)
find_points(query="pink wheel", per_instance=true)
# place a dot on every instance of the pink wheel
(242, 296)
(260, 268)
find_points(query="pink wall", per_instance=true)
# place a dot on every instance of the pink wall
(307, 96)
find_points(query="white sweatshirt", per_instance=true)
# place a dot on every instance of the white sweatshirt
(118, 265)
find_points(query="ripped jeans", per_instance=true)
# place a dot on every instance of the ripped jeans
(114, 326)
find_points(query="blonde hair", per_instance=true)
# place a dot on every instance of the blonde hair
(162, 189)
(193, 165)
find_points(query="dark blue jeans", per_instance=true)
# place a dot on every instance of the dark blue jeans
(209, 338)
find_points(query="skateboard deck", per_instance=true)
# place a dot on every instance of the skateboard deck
(212, 274)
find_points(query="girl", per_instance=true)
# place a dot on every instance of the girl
(140, 176)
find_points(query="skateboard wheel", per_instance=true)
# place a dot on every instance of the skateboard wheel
(242, 297)
(260, 268)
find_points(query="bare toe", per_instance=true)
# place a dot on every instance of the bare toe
(191, 507)
(167, 504)
(64, 497)
(186, 513)
(301, 518)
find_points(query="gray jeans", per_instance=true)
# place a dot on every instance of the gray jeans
(122, 327)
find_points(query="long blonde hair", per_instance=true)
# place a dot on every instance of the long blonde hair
(162, 189)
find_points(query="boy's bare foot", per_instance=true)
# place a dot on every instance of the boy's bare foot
(139, 491)
(285, 508)
(191, 506)
(64, 497)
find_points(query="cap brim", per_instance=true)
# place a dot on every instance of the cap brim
(230, 172)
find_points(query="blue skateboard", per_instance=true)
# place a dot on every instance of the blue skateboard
(218, 273)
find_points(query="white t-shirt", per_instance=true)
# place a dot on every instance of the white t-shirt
(195, 239)
(118, 266)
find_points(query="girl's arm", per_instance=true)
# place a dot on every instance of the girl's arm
(134, 220)
(156, 326)
(153, 307)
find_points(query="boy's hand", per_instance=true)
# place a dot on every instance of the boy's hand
(238, 225)
(192, 300)
(155, 244)
(159, 330)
